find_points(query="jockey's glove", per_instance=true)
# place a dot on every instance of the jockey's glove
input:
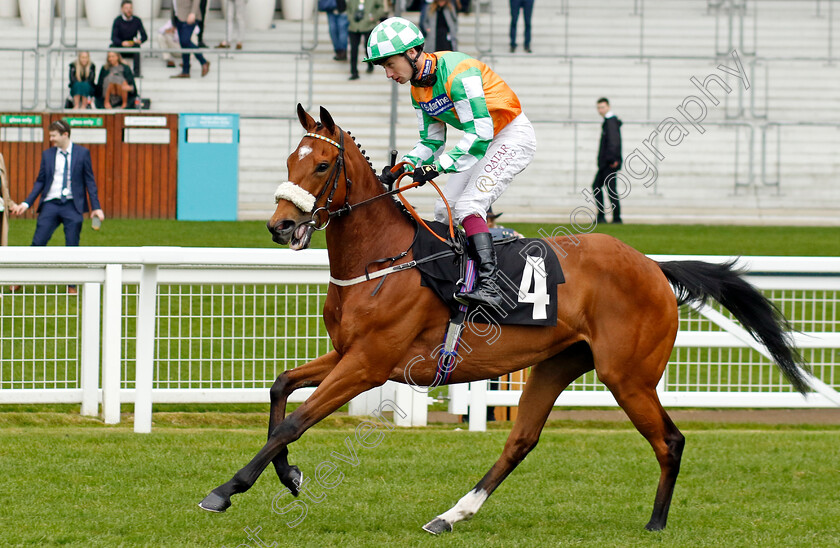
(424, 174)
(388, 178)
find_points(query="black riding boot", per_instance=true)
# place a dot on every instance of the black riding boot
(486, 289)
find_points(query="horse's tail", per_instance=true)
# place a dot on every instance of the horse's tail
(698, 281)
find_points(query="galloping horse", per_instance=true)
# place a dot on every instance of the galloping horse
(617, 314)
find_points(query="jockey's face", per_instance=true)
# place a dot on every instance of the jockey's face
(398, 69)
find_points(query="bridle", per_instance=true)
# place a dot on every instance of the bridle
(331, 186)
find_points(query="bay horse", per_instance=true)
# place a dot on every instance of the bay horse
(616, 314)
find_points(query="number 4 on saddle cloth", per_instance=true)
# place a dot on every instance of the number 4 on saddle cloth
(529, 273)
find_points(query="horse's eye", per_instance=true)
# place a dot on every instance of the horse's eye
(322, 167)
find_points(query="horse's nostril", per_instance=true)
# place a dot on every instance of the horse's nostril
(286, 226)
(279, 228)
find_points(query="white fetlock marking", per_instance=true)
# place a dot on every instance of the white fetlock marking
(466, 507)
(302, 199)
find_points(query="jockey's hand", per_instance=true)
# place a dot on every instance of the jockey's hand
(388, 177)
(424, 174)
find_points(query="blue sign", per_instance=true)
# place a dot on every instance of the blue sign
(208, 167)
(210, 121)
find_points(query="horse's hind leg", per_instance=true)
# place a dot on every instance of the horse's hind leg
(546, 381)
(308, 374)
(635, 392)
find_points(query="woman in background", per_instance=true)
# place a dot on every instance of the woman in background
(116, 82)
(82, 80)
(441, 26)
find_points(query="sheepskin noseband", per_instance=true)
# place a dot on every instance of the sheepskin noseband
(302, 199)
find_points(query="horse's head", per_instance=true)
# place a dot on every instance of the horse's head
(317, 177)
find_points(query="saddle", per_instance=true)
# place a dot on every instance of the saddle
(529, 273)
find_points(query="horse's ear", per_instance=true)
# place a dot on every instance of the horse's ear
(327, 120)
(307, 121)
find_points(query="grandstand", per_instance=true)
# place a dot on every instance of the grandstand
(766, 155)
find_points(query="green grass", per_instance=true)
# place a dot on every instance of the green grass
(665, 239)
(105, 486)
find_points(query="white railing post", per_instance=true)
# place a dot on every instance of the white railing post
(111, 343)
(90, 348)
(144, 371)
(478, 406)
(414, 402)
(459, 399)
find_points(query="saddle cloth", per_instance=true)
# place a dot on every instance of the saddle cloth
(529, 273)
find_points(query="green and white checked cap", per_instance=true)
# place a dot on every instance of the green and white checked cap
(392, 36)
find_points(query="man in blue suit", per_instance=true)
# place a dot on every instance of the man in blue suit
(64, 192)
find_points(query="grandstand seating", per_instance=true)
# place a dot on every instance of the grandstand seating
(639, 53)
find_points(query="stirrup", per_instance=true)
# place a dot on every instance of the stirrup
(476, 296)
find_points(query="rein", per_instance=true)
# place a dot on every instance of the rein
(347, 208)
(303, 200)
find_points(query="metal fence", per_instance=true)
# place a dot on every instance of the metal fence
(715, 363)
(219, 325)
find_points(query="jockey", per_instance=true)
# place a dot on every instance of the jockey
(451, 88)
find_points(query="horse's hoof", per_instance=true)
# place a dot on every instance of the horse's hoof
(437, 526)
(214, 503)
(293, 479)
(651, 526)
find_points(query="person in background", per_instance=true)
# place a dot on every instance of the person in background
(169, 38)
(128, 32)
(82, 81)
(363, 15)
(527, 7)
(336, 11)
(235, 11)
(442, 26)
(116, 83)
(202, 7)
(186, 13)
(6, 204)
(64, 185)
(498, 231)
(609, 162)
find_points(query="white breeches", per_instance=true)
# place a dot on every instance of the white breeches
(473, 191)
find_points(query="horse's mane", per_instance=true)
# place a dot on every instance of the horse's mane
(402, 209)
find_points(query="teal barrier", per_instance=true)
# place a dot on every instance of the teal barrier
(208, 167)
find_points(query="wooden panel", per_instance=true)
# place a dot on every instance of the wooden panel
(134, 180)
(506, 382)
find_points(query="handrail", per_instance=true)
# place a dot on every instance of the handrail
(753, 67)
(64, 23)
(38, 25)
(478, 26)
(315, 16)
(750, 177)
(179, 51)
(639, 59)
(830, 30)
(778, 125)
(639, 9)
(37, 71)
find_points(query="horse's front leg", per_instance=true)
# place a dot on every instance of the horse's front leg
(309, 374)
(350, 377)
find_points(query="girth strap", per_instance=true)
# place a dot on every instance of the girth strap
(366, 277)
